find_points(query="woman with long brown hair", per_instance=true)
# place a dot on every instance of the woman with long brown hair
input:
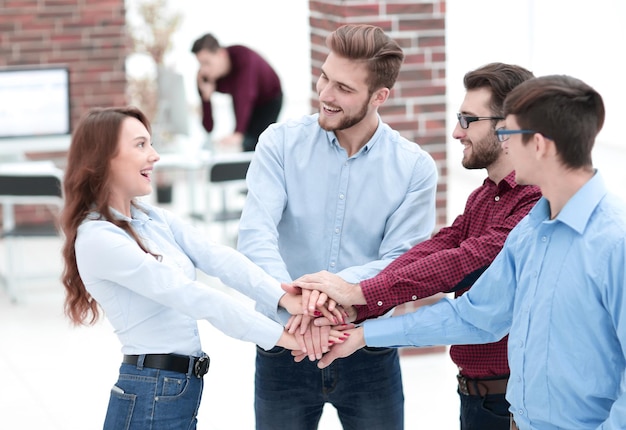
(137, 263)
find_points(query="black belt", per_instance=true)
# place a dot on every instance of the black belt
(172, 362)
(481, 387)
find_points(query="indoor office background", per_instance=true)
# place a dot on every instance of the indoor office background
(59, 377)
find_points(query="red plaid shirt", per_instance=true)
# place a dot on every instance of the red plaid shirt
(452, 260)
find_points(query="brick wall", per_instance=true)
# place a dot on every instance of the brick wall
(417, 107)
(87, 36)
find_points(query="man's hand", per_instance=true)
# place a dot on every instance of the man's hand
(205, 86)
(329, 311)
(330, 285)
(354, 341)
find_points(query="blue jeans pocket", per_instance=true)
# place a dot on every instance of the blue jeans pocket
(120, 410)
(151, 398)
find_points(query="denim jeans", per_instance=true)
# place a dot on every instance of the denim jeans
(152, 399)
(365, 388)
(490, 412)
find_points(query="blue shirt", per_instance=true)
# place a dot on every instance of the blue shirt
(559, 287)
(310, 207)
(154, 305)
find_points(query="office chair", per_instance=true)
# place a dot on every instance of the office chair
(33, 184)
(227, 175)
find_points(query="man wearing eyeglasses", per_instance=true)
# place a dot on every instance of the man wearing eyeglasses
(456, 256)
(558, 287)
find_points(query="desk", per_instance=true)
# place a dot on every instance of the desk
(191, 163)
(199, 161)
(17, 146)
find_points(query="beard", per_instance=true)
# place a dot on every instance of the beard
(483, 153)
(345, 122)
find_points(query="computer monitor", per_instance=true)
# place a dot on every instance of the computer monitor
(34, 109)
(34, 102)
(173, 113)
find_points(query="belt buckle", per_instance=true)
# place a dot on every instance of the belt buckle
(463, 385)
(201, 366)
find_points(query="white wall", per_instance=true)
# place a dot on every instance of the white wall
(584, 39)
(278, 30)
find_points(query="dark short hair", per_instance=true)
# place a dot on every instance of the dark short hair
(500, 79)
(562, 108)
(208, 42)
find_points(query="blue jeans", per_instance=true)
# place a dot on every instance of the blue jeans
(490, 412)
(152, 399)
(365, 388)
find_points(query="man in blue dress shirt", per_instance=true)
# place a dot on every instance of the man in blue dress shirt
(343, 192)
(558, 287)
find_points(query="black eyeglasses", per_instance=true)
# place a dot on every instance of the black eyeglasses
(503, 134)
(465, 120)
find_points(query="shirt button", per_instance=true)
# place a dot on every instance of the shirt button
(543, 238)
(497, 198)
(337, 230)
(332, 264)
(341, 196)
(379, 303)
(413, 297)
(521, 412)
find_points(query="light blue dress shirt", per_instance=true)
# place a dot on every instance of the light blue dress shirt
(310, 207)
(559, 286)
(154, 305)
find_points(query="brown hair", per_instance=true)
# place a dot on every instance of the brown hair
(85, 190)
(500, 79)
(562, 108)
(368, 43)
(207, 42)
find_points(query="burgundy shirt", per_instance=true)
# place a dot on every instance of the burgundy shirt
(251, 82)
(452, 260)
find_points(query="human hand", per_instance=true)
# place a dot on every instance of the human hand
(355, 340)
(289, 341)
(329, 310)
(326, 284)
(205, 86)
(299, 323)
(291, 300)
(318, 340)
(349, 315)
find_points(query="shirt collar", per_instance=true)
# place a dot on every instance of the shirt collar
(332, 139)
(505, 184)
(579, 208)
(138, 213)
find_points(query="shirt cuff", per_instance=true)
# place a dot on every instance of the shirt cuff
(385, 332)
